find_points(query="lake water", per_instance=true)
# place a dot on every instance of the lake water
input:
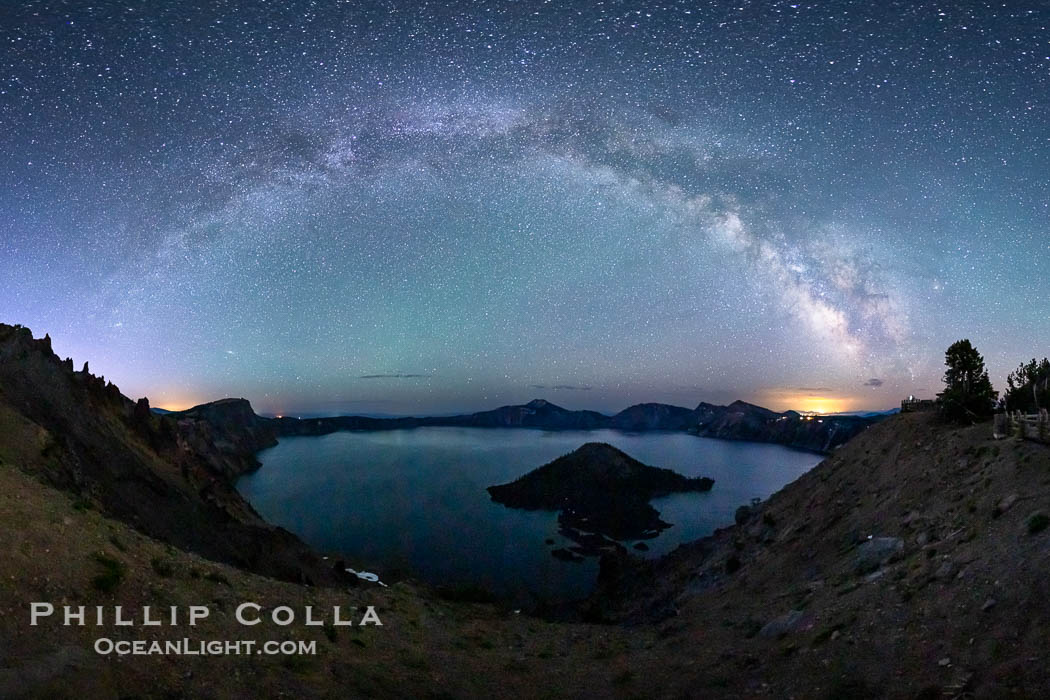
(413, 502)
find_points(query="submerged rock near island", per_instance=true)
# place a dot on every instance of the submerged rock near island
(599, 490)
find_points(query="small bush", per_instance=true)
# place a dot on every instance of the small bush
(162, 568)
(1037, 523)
(112, 573)
(415, 660)
(298, 664)
(217, 578)
(516, 666)
(825, 634)
(751, 627)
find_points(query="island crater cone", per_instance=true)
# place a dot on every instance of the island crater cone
(599, 489)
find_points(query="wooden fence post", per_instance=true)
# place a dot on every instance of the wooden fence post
(1001, 426)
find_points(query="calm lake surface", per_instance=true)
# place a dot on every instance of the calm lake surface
(413, 502)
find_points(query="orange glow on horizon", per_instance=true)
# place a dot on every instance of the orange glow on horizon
(172, 402)
(807, 403)
(821, 404)
(175, 405)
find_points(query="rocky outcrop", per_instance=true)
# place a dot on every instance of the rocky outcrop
(168, 476)
(227, 433)
(743, 421)
(599, 489)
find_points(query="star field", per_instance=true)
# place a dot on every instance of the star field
(428, 207)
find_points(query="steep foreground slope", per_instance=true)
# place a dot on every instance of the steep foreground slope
(912, 563)
(169, 476)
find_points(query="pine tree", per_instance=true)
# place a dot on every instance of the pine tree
(1028, 387)
(968, 395)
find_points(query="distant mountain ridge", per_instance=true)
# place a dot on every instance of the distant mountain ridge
(737, 421)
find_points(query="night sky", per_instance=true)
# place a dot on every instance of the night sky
(398, 207)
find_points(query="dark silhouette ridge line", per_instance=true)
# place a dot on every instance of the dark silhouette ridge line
(737, 421)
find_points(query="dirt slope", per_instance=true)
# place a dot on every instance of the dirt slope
(909, 564)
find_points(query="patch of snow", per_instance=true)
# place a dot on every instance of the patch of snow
(366, 576)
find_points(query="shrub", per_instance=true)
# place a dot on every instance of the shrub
(217, 578)
(112, 573)
(162, 568)
(968, 395)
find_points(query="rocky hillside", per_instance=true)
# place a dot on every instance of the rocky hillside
(912, 563)
(230, 430)
(743, 421)
(169, 476)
